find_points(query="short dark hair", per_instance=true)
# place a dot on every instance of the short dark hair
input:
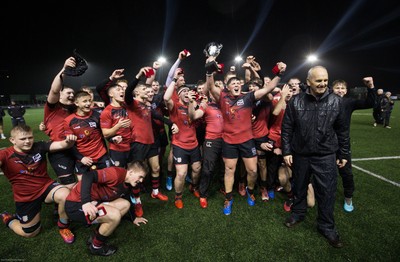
(80, 94)
(138, 165)
(20, 128)
(339, 81)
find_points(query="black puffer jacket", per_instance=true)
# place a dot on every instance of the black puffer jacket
(314, 126)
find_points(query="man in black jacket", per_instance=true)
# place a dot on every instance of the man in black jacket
(315, 138)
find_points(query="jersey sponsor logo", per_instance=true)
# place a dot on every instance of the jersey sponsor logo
(76, 127)
(36, 158)
(62, 167)
(93, 124)
(240, 102)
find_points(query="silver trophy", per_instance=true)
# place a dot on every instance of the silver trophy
(212, 49)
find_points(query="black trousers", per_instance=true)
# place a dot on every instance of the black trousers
(212, 157)
(324, 172)
(346, 173)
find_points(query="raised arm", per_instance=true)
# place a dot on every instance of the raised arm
(182, 55)
(210, 83)
(282, 101)
(102, 87)
(251, 68)
(156, 66)
(194, 111)
(279, 69)
(57, 84)
(132, 85)
(170, 90)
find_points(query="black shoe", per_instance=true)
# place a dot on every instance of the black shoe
(291, 222)
(105, 250)
(333, 239)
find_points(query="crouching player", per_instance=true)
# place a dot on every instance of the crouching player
(101, 198)
(25, 166)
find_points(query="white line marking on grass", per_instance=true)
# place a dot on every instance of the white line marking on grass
(377, 176)
(375, 158)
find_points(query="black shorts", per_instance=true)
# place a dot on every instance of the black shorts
(119, 158)
(74, 211)
(63, 162)
(154, 149)
(259, 141)
(184, 156)
(246, 150)
(139, 151)
(163, 139)
(26, 211)
(103, 162)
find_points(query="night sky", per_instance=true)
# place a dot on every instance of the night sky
(353, 39)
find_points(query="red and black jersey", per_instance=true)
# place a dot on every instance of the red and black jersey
(110, 185)
(276, 126)
(214, 121)
(140, 114)
(27, 172)
(90, 141)
(54, 115)
(186, 137)
(261, 112)
(237, 117)
(109, 117)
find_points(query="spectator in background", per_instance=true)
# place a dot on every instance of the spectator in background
(386, 107)
(2, 136)
(294, 83)
(17, 112)
(377, 110)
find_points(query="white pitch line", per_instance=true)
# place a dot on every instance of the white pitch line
(377, 176)
(375, 158)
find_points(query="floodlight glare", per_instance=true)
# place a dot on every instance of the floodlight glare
(162, 59)
(312, 58)
(238, 58)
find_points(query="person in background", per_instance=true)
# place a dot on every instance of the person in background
(2, 136)
(387, 107)
(377, 110)
(350, 104)
(315, 140)
(294, 84)
(17, 112)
